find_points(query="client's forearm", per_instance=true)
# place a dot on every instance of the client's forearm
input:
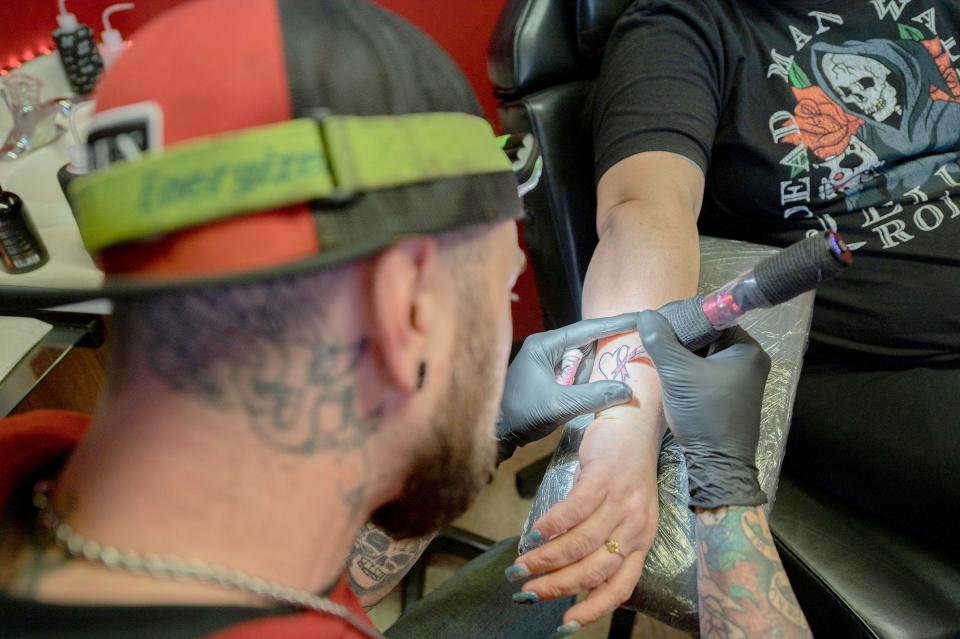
(743, 590)
(647, 255)
(378, 562)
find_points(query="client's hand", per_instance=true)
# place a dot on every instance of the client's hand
(534, 404)
(598, 537)
(600, 534)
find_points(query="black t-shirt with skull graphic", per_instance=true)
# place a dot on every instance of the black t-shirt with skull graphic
(806, 116)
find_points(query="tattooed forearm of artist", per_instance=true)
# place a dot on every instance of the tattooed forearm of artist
(378, 562)
(743, 589)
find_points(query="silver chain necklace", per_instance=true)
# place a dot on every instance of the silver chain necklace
(62, 534)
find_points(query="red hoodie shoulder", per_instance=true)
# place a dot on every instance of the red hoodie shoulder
(31, 440)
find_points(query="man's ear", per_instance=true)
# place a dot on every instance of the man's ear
(404, 301)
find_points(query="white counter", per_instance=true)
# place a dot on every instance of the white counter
(34, 178)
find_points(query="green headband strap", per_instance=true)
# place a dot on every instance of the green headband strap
(331, 158)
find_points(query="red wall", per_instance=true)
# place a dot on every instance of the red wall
(462, 27)
(25, 25)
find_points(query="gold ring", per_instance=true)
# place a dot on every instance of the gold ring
(613, 547)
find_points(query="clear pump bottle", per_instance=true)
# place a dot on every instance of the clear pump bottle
(113, 43)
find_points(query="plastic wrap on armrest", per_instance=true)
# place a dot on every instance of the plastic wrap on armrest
(668, 588)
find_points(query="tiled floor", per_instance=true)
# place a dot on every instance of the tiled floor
(498, 513)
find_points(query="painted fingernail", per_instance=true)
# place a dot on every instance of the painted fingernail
(525, 597)
(566, 630)
(516, 573)
(532, 539)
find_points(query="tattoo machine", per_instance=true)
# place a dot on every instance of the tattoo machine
(699, 320)
(801, 267)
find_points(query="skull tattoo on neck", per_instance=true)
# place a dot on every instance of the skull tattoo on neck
(378, 561)
(863, 83)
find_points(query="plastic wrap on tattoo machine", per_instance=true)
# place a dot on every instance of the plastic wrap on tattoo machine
(722, 307)
(668, 588)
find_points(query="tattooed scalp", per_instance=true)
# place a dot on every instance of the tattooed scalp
(264, 349)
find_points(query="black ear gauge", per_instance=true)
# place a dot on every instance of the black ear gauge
(421, 374)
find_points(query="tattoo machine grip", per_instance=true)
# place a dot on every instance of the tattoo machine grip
(801, 267)
(690, 324)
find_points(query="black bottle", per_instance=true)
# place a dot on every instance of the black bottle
(67, 174)
(78, 51)
(21, 249)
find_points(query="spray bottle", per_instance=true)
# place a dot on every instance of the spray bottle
(113, 43)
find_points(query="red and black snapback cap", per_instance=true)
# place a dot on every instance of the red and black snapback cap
(245, 139)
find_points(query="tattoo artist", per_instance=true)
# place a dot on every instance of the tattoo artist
(289, 361)
(283, 373)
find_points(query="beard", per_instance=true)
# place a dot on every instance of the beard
(460, 456)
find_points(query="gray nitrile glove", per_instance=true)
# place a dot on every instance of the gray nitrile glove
(712, 406)
(534, 404)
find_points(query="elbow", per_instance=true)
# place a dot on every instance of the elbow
(666, 215)
(624, 216)
(603, 220)
(608, 218)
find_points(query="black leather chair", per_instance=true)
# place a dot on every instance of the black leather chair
(853, 575)
(543, 58)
